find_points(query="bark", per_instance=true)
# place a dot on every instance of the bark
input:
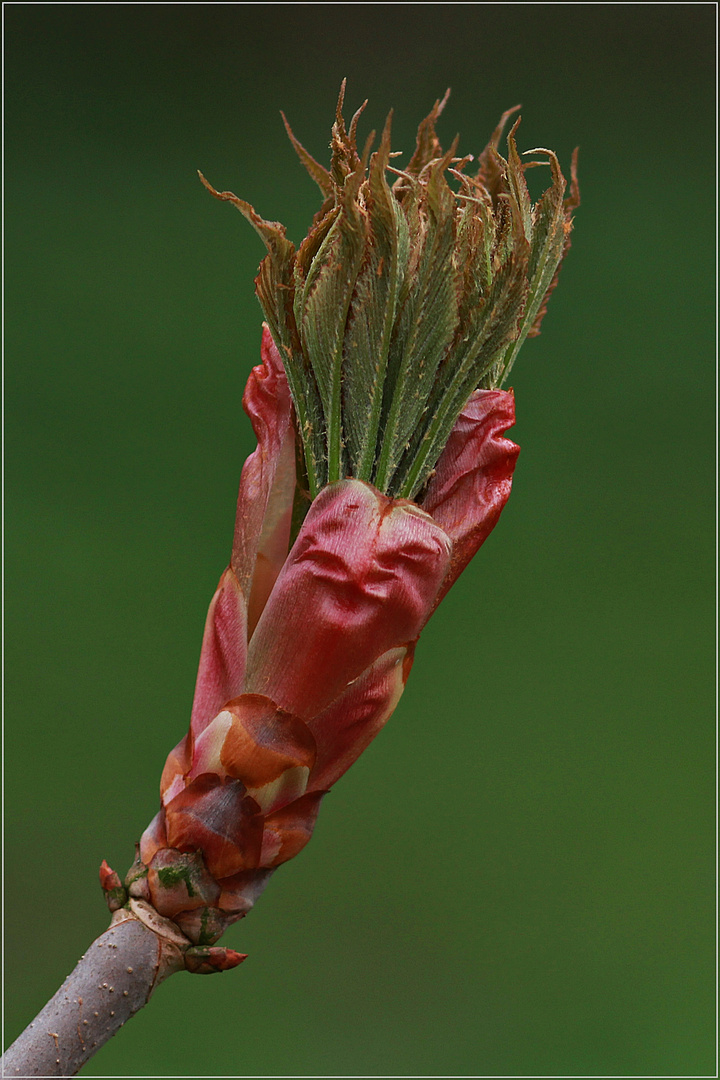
(112, 981)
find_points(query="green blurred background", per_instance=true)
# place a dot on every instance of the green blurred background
(517, 878)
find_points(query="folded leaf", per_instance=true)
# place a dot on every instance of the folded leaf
(262, 534)
(361, 579)
(346, 727)
(224, 651)
(473, 477)
(267, 484)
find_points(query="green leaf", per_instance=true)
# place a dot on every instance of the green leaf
(496, 325)
(491, 264)
(372, 316)
(426, 324)
(547, 246)
(321, 310)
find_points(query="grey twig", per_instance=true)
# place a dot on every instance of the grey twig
(112, 981)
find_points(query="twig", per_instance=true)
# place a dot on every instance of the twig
(112, 981)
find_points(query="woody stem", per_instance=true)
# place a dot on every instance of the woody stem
(112, 981)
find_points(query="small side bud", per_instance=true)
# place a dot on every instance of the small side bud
(112, 886)
(207, 959)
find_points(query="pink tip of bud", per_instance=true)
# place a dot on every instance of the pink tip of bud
(112, 886)
(108, 878)
(206, 960)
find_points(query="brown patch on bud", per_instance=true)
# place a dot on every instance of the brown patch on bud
(218, 818)
(287, 831)
(264, 741)
(177, 763)
(154, 838)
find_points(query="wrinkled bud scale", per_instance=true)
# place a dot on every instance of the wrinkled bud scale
(389, 333)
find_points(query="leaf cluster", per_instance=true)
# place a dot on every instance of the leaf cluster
(404, 299)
